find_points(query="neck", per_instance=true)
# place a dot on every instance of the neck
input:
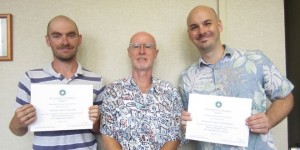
(213, 56)
(143, 79)
(67, 69)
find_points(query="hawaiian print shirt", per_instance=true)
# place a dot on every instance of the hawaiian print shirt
(244, 74)
(141, 122)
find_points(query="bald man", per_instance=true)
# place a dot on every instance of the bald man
(224, 71)
(141, 111)
(64, 39)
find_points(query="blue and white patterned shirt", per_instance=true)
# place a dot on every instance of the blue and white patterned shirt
(68, 139)
(137, 121)
(244, 74)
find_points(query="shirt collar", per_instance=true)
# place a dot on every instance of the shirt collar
(227, 53)
(153, 88)
(49, 69)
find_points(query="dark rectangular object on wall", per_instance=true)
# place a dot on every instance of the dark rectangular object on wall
(292, 28)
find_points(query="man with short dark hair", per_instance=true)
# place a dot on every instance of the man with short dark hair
(64, 39)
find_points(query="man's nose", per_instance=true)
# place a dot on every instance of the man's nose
(142, 49)
(202, 30)
(65, 40)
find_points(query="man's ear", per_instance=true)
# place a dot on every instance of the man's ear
(220, 26)
(80, 39)
(47, 40)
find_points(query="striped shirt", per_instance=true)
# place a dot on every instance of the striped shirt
(68, 139)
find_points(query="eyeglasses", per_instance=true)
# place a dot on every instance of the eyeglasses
(139, 46)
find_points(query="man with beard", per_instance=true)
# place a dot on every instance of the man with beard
(224, 71)
(64, 39)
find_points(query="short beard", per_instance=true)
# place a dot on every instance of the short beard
(65, 58)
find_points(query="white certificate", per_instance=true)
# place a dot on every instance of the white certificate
(61, 107)
(219, 119)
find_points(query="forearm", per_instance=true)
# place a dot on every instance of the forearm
(96, 127)
(171, 145)
(110, 143)
(280, 109)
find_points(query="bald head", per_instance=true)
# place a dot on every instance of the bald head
(142, 37)
(61, 18)
(202, 9)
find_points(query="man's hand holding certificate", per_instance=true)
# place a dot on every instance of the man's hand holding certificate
(218, 119)
(61, 107)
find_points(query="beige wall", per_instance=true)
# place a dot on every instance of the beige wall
(106, 27)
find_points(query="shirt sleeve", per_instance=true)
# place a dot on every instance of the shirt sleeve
(275, 84)
(177, 108)
(98, 91)
(24, 91)
(108, 118)
(183, 93)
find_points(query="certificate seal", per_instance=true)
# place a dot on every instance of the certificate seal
(62, 92)
(218, 104)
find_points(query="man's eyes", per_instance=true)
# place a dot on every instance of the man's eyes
(58, 36)
(135, 46)
(72, 35)
(207, 24)
(147, 46)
